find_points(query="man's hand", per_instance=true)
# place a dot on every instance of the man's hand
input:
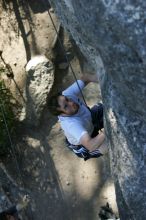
(92, 143)
(86, 78)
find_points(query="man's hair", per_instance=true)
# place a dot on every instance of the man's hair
(3, 216)
(53, 104)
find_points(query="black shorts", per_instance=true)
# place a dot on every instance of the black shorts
(97, 118)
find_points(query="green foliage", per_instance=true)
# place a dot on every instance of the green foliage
(6, 117)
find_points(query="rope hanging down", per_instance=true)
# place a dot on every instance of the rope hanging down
(65, 54)
(9, 136)
(2, 108)
(10, 75)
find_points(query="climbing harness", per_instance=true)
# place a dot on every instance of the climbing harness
(82, 152)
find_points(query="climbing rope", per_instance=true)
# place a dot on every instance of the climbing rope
(8, 133)
(2, 108)
(58, 37)
(10, 75)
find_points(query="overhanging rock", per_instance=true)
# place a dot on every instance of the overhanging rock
(112, 36)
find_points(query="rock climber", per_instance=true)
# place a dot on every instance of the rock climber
(83, 127)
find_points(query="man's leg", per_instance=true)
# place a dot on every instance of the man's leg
(103, 148)
(97, 118)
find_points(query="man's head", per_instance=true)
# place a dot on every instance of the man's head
(62, 105)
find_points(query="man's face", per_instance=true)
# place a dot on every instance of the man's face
(67, 106)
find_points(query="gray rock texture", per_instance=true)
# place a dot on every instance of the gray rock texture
(112, 36)
(39, 81)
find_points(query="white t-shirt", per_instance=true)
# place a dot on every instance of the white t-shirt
(75, 126)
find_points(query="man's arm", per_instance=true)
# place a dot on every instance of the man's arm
(89, 78)
(92, 143)
(84, 80)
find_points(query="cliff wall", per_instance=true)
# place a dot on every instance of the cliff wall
(112, 36)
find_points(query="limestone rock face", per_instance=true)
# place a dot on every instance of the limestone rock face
(40, 78)
(112, 36)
